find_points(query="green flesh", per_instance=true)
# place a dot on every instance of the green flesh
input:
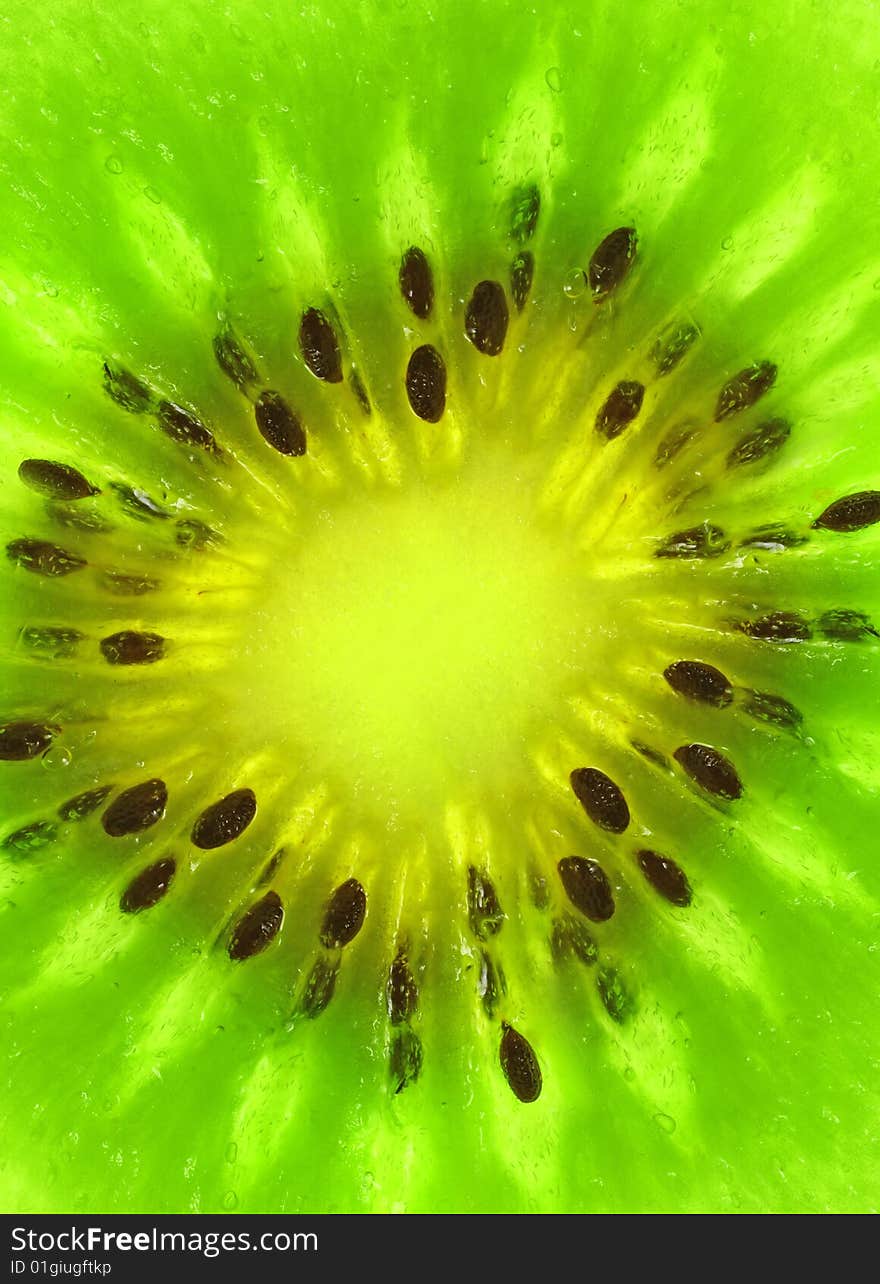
(406, 639)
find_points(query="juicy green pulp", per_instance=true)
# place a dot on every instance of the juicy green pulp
(163, 173)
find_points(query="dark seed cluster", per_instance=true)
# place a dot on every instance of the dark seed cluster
(343, 918)
(584, 894)
(402, 1001)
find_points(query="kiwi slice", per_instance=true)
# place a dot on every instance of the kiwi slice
(441, 510)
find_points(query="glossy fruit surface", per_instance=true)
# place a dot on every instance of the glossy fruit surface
(439, 625)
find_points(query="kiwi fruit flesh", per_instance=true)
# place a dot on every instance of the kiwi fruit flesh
(438, 752)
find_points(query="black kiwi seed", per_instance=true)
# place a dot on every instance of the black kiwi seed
(122, 585)
(852, 513)
(620, 408)
(651, 754)
(194, 534)
(778, 626)
(344, 915)
(672, 444)
(401, 992)
(20, 741)
(57, 481)
(148, 887)
(82, 805)
(698, 681)
(559, 942)
(271, 867)
(278, 424)
(846, 626)
(570, 936)
(520, 1065)
(774, 538)
(581, 942)
(183, 427)
(485, 914)
(320, 347)
(744, 389)
(611, 262)
(42, 558)
(31, 838)
(539, 890)
(697, 541)
(767, 707)
(130, 646)
(601, 799)
(320, 987)
(404, 1058)
(491, 984)
(137, 503)
(522, 274)
(225, 820)
(233, 360)
(136, 809)
(710, 769)
(426, 383)
(256, 928)
(486, 317)
(126, 389)
(673, 346)
(360, 391)
(587, 887)
(525, 207)
(77, 518)
(416, 282)
(613, 993)
(53, 642)
(762, 441)
(665, 877)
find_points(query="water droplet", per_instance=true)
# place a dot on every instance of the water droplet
(666, 1122)
(629, 1074)
(113, 165)
(727, 243)
(152, 195)
(555, 140)
(575, 284)
(231, 1152)
(230, 1199)
(57, 756)
(553, 76)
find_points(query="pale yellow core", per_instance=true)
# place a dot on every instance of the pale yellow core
(413, 646)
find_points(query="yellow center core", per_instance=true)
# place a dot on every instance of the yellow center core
(412, 646)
